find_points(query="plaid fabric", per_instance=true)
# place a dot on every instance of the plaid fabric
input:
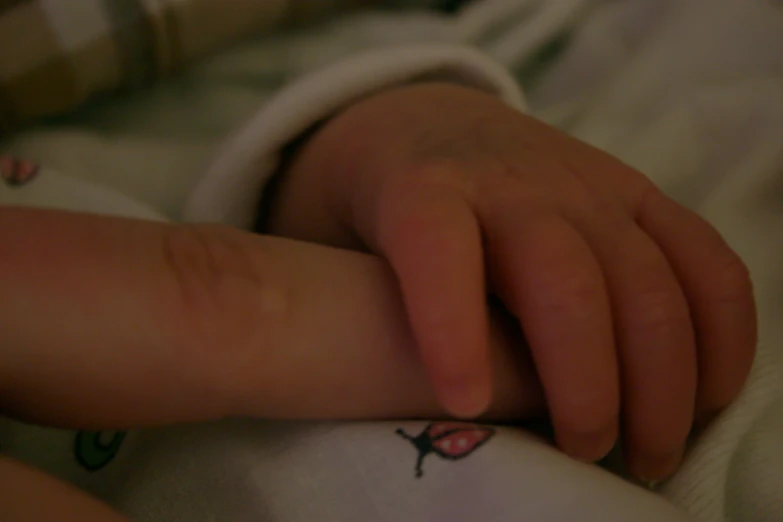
(55, 54)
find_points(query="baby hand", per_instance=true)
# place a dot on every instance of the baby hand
(639, 317)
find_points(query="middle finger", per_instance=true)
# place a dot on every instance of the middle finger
(655, 340)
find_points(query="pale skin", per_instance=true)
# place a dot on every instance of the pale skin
(614, 285)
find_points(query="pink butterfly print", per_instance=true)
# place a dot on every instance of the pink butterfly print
(448, 440)
(16, 172)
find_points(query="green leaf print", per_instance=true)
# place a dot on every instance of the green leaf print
(94, 450)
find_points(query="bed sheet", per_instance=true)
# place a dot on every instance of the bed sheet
(691, 93)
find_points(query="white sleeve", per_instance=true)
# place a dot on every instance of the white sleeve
(231, 189)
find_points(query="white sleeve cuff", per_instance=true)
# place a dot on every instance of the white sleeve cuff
(231, 189)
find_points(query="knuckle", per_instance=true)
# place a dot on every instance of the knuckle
(444, 175)
(658, 309)
(566, 289)
(645, 194)
(731, 282)
(433, 203)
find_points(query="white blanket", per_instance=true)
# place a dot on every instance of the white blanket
(690, 92)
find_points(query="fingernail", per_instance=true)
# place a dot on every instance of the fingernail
(652, 468)
(589, 447)
(466, 399)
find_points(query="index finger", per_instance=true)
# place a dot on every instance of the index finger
(431, 236)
